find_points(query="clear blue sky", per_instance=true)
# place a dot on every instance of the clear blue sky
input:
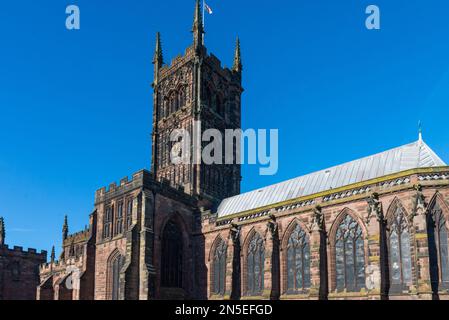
(76, 105)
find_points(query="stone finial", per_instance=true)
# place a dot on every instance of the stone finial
(272, 226)
(317, 220)
(235, 234)
(53, 255)
(374, 208)
(237, 67)
(419, 202)
(198, 27)
(2, 231)
(158, 59)
(65, 228)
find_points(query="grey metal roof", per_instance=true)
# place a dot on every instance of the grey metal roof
(411, 156)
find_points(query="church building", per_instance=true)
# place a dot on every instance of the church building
(373, 228)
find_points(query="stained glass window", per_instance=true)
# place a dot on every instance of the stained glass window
(219, 268)
(255, 266)
(438, 247)
(349, 256)
(298, 261)
(400, 253)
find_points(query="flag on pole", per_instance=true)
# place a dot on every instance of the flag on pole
(207, 8)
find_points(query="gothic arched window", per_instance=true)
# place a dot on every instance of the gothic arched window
(400, 253)
(182, 97)
(116, 265)
(173, 102)
(166, 108)
(219, 268)
(438, 248)
(255, 265)
(298, 261)
(171, 256)
(349, 256)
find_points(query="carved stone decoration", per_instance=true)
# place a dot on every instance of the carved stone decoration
(419, 203)
(273, 227)
(317, 220)
(374, 208)
(235, 234)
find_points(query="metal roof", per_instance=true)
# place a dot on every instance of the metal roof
(411, 156)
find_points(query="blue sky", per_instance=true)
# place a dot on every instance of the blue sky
(76, 105)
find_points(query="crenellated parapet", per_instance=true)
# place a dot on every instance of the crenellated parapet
(138, 180)
(17, 251)
(141, 179)
(78, 237)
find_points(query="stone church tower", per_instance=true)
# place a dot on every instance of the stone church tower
(195, 88)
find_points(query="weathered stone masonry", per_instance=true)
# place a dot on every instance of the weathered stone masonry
(374, 228)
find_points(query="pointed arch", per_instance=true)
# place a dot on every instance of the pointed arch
(254, 262)
(172, 255)
(217, 260)
(296, 258)
(115, 262)
(438, 242)
(348, 245)
(399, 246)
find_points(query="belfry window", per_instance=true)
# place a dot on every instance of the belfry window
(298, 261)
(255, 266)
(182, 98)
(438, 248)
(173, 102)
(349, 256)
(219, 268)
(400, 253)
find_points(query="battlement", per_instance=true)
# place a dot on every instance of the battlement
(17, 250)
(179, 60)
(57, 266)
(138, 180)
(81, 236)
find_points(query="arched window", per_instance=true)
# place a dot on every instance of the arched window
(438, 248)
(219, 268)
(115, 267)
(182, 97)
(298, 261)
(255, 265)
(349, 256)
(400, 253)
(166, 108)
(173, 102)
(171, 256)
